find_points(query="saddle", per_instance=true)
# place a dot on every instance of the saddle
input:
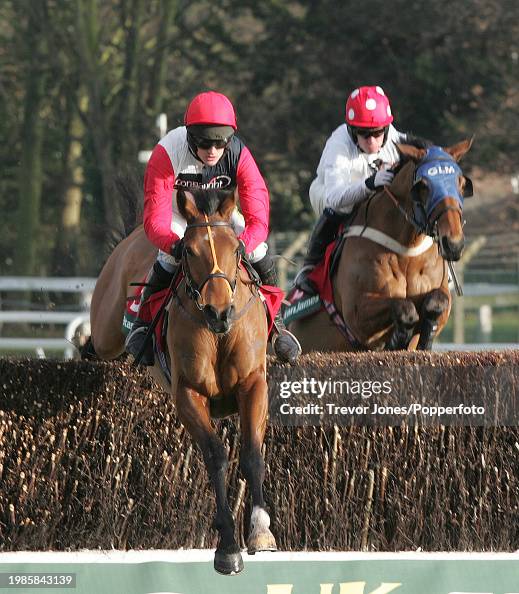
(271, 297)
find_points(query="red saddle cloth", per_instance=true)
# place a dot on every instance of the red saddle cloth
(320, 275)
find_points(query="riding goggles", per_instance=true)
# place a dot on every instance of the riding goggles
(367, 132)
(207, 143)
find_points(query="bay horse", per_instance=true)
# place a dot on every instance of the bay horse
(217, 343)
(391, 283)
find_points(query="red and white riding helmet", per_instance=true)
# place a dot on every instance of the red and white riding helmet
(368, 107)
(210, 108)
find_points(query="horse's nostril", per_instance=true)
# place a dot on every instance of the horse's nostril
(451, 250)
(211, 312)
(219, 322)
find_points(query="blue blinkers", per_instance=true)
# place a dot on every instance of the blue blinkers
(440, 172)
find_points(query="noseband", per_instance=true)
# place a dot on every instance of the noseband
(193, 290)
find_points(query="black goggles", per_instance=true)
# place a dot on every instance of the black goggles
(207, 143)
(367, 132)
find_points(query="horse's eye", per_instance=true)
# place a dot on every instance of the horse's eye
(189, 251)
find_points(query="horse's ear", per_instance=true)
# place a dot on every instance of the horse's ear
(186, 206)
(227, 204)
(414, 153)
(458, 150)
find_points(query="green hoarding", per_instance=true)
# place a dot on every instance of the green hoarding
(191, 572)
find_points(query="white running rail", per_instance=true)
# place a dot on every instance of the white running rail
(72, 320)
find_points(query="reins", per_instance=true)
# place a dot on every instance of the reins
(403, 211)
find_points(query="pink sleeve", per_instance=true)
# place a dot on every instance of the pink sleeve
(159, 181)
(254, 201)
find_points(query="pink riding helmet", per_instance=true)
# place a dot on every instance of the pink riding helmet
(210, 108)
(368, 107)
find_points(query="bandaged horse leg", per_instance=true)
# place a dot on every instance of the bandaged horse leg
(434, 305)
(405, 317)
(193, 412)
(253, 408)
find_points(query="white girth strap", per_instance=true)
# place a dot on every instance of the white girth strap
(388, 242)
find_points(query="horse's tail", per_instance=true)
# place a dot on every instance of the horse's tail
(129, 192)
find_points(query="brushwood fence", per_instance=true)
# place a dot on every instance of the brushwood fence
(92, 456)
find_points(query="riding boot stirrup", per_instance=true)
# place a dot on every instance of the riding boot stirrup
(285, 344)
(324, 233)
(157, 280)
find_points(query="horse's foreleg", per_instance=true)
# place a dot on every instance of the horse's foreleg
(405, 318)
(193, 412)
(434, 305)
(253, 407)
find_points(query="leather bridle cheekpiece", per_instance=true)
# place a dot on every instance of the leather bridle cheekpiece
(193, 290)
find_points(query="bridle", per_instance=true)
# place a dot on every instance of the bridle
(193, 290)
(440, 187)
(420, 217)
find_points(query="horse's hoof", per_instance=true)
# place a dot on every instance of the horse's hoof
(261, 541)
(228, 563)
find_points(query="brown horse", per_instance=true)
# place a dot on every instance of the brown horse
(217, 341)
(391, 282)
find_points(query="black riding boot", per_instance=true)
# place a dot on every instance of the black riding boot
(157, 280)
(285, 344)
(324, 233)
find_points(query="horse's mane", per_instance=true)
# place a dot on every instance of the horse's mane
(208, 200)
(417, 142)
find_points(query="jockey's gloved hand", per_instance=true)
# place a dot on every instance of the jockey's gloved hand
(379, 179)
(177, 249)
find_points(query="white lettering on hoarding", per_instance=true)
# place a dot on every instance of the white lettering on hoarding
(358, 588)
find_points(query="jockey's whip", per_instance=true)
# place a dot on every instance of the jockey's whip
(154, 322)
